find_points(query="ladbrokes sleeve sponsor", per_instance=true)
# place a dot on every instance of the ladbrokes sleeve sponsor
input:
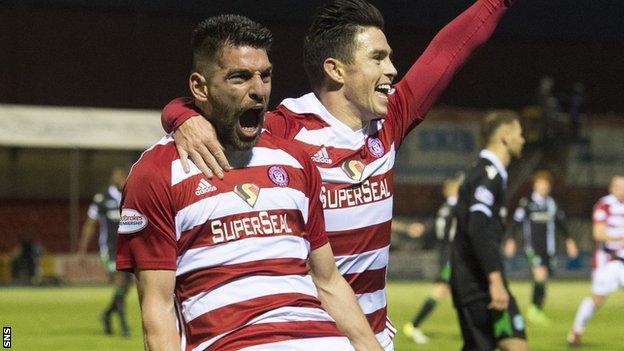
(131, 221)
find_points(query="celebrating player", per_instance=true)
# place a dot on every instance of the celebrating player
(352, 125)
(608, 261)
(540, 218)
(445, 227)
(235, 252)
(487, 311)
(104, 212)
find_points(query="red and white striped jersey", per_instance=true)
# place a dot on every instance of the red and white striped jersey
(239, 247)
(357, 192)
(609, 211)
(356, 166)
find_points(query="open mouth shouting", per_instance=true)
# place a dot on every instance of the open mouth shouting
(383, 90)
(250, 122)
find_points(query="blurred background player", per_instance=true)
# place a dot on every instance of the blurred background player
(444, 230)
(539, 217)
(25, 261)
(488, 314)
(608, 260)
(103, 216)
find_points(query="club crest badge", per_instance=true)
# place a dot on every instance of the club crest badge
(353, 169)
(278, 175)
(248, 192)
(375, 146)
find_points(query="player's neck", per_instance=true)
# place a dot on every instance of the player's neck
(238, 158)
(336, 103)
(501, 152)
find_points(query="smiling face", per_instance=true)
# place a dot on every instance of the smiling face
(368, 79)
(235, 94)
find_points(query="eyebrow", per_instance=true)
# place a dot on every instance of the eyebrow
(243, 71)
(383, 52)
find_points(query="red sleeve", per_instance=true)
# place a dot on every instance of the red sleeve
(435, 68)
(177, 112)
(146, 234)
(601, 213)
(316, 221)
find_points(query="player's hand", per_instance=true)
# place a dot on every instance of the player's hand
(197, 138)
(415, 230)
(509, 249)
(571, 248)
(499, 296)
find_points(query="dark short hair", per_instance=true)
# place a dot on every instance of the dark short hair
(494, 120)
(213, 33)
(332, 34)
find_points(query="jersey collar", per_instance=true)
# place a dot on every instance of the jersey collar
(451, 201)
(490, 156)
(309, 103)
(538, 199)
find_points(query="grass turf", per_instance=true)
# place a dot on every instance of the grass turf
(67, 318)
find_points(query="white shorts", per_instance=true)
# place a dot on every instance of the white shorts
(608, 278)
(386, 336)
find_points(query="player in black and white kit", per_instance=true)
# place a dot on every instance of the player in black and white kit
(444, 231)
(488, 314)
(103, 213)
(540, 218)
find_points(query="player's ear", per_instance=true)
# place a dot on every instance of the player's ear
(198, 86)
(334, 70)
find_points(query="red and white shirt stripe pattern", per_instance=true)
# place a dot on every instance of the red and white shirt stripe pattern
(609, 211)
(239, 247)
(356, 166)
(357, 195)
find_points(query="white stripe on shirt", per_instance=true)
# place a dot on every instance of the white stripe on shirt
(375, 259)
(242, 251)
(279, 315)
(261, 156)
(357, 217)
(239, 291)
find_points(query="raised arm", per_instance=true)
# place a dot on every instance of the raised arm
(339, 301)
(434, 69)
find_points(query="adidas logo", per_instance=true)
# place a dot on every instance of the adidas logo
(322, 156)
(204, 187)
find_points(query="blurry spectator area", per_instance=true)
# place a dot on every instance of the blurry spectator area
(53, 160)
(137, 53)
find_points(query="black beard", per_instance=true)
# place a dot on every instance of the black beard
(229, 136)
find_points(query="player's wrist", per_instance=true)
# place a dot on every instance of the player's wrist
(495, 278)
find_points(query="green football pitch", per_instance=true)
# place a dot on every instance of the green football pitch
(67, 318)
